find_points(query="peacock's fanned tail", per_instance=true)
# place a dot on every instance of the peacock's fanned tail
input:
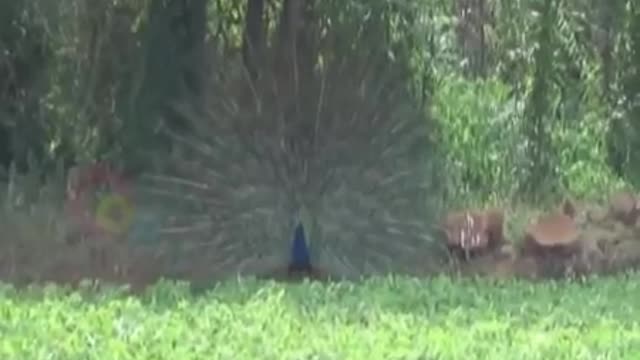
(352, 150)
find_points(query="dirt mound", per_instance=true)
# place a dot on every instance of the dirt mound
(613, 234)
(625, 207)
(573, 240)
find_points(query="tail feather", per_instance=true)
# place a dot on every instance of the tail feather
(364, 167)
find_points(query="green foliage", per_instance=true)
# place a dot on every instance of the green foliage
(483, 114)
(22, 69)
(581, 148)
(625, 128)
(479, 115)
(379, 319)
(93, 82)
(551, 104)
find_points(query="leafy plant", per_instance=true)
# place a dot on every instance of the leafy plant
(385, 318)
(479, 115)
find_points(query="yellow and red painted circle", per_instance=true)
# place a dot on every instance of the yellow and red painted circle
(100, 220)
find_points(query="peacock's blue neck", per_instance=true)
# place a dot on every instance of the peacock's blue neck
(300, 259)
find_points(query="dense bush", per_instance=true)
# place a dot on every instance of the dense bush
(480, 115)
(484, 114)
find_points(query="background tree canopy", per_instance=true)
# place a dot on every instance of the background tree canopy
(530, 97)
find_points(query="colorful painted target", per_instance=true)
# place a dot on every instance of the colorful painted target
(114, 214)
(100, 219)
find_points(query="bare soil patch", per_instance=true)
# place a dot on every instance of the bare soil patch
(575, 239)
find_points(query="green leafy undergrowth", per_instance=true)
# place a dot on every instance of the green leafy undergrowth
(378, 319)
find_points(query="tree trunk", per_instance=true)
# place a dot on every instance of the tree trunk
(253, 41)
(195, 24)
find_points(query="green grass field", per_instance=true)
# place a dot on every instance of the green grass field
(379, 319)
